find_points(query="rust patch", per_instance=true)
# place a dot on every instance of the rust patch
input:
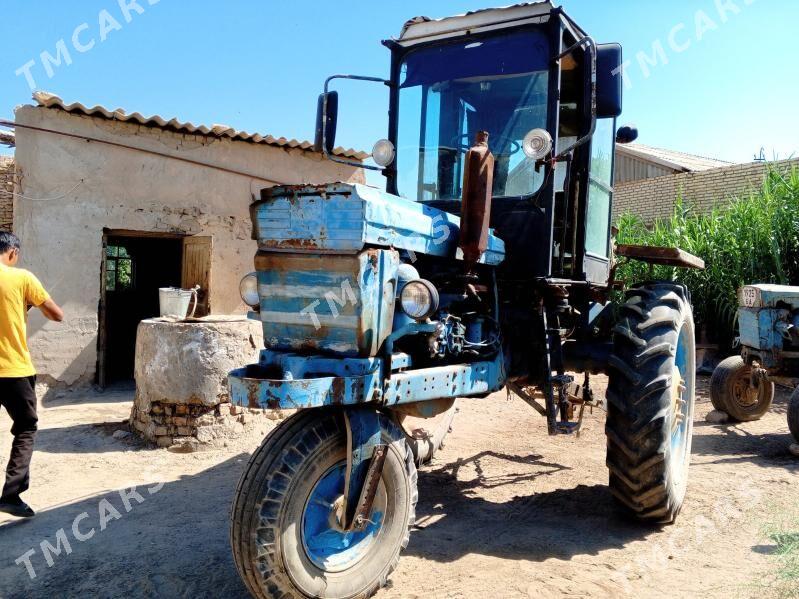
(374, 258)
(337, 390)
(252, 396)
(265, 260)
(299, 244)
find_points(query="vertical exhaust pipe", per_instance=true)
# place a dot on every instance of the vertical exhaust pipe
(478, 180)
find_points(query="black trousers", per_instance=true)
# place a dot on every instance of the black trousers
(18, 397)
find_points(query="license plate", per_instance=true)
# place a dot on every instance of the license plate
(750, 297)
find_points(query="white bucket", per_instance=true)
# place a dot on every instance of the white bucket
(174, 302)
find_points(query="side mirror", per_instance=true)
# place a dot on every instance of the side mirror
(608, 81)
(626, 134)
(326, 120)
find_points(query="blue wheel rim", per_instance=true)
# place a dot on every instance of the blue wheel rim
(325, 544)
(682, 411)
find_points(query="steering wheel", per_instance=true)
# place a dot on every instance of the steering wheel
(515, 146)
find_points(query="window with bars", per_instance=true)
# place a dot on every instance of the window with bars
(119, 269)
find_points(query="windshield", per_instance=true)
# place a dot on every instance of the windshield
(448, 93)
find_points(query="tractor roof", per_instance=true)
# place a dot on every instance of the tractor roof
(421, 29)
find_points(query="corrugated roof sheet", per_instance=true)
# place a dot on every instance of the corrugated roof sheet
(7, 138)
(49, 100)
(679, 161)
(430, 26)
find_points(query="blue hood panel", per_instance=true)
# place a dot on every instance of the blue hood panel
(344, 218)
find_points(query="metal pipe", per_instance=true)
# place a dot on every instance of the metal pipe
(327, 154)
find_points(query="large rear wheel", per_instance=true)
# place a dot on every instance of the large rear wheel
(285, 536)
(651, 401)
(734, 390)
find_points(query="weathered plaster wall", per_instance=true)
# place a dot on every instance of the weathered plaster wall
(6, 195)
(92, 186)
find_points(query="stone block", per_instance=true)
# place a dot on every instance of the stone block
(206, 420)
(717, 417)
(206, 434)
(184, 445)
(177, 363)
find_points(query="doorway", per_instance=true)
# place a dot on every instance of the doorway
(135, 265)
(134, 269)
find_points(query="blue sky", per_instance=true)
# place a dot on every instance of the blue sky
(725, 83)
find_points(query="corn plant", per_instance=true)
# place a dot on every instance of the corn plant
(750, 239)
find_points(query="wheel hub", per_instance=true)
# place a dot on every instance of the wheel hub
(746, 388)
(681, 410)
(327, 545)
(678, 403)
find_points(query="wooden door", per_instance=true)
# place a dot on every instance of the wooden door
(197, 270)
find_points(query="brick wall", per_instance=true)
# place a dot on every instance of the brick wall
(655, 198)
(6, 187)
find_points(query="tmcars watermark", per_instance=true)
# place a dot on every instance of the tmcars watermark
(680, 38)
(84, 38)
(83, 527)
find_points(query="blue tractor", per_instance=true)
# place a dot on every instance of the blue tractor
(743, 385)
(487, 264)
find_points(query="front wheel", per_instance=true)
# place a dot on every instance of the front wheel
(651, 401)
(734, 390)
(793, 414)
(285, 537)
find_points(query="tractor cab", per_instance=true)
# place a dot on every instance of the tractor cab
(547, 95)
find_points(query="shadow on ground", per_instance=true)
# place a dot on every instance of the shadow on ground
(196, 562)
(454, 521)
(87, 438)
(116, 393)
(761, 449)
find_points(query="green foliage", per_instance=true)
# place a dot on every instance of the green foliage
(752, 239)
(784, 534)
(124, 274)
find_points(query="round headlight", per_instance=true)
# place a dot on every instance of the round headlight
(419, 299)
(248, 288)
(537, 144)
(383, 152)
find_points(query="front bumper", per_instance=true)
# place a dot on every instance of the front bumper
(249, 388)
(290, 381)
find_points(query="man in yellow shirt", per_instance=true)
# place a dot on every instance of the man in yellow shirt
(19, 290)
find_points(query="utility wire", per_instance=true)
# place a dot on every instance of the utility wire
(13, 125)
(62, 196)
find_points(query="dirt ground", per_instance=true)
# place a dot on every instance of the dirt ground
(504, 511)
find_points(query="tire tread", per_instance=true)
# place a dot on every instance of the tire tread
(253, 530)
(639, 400)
